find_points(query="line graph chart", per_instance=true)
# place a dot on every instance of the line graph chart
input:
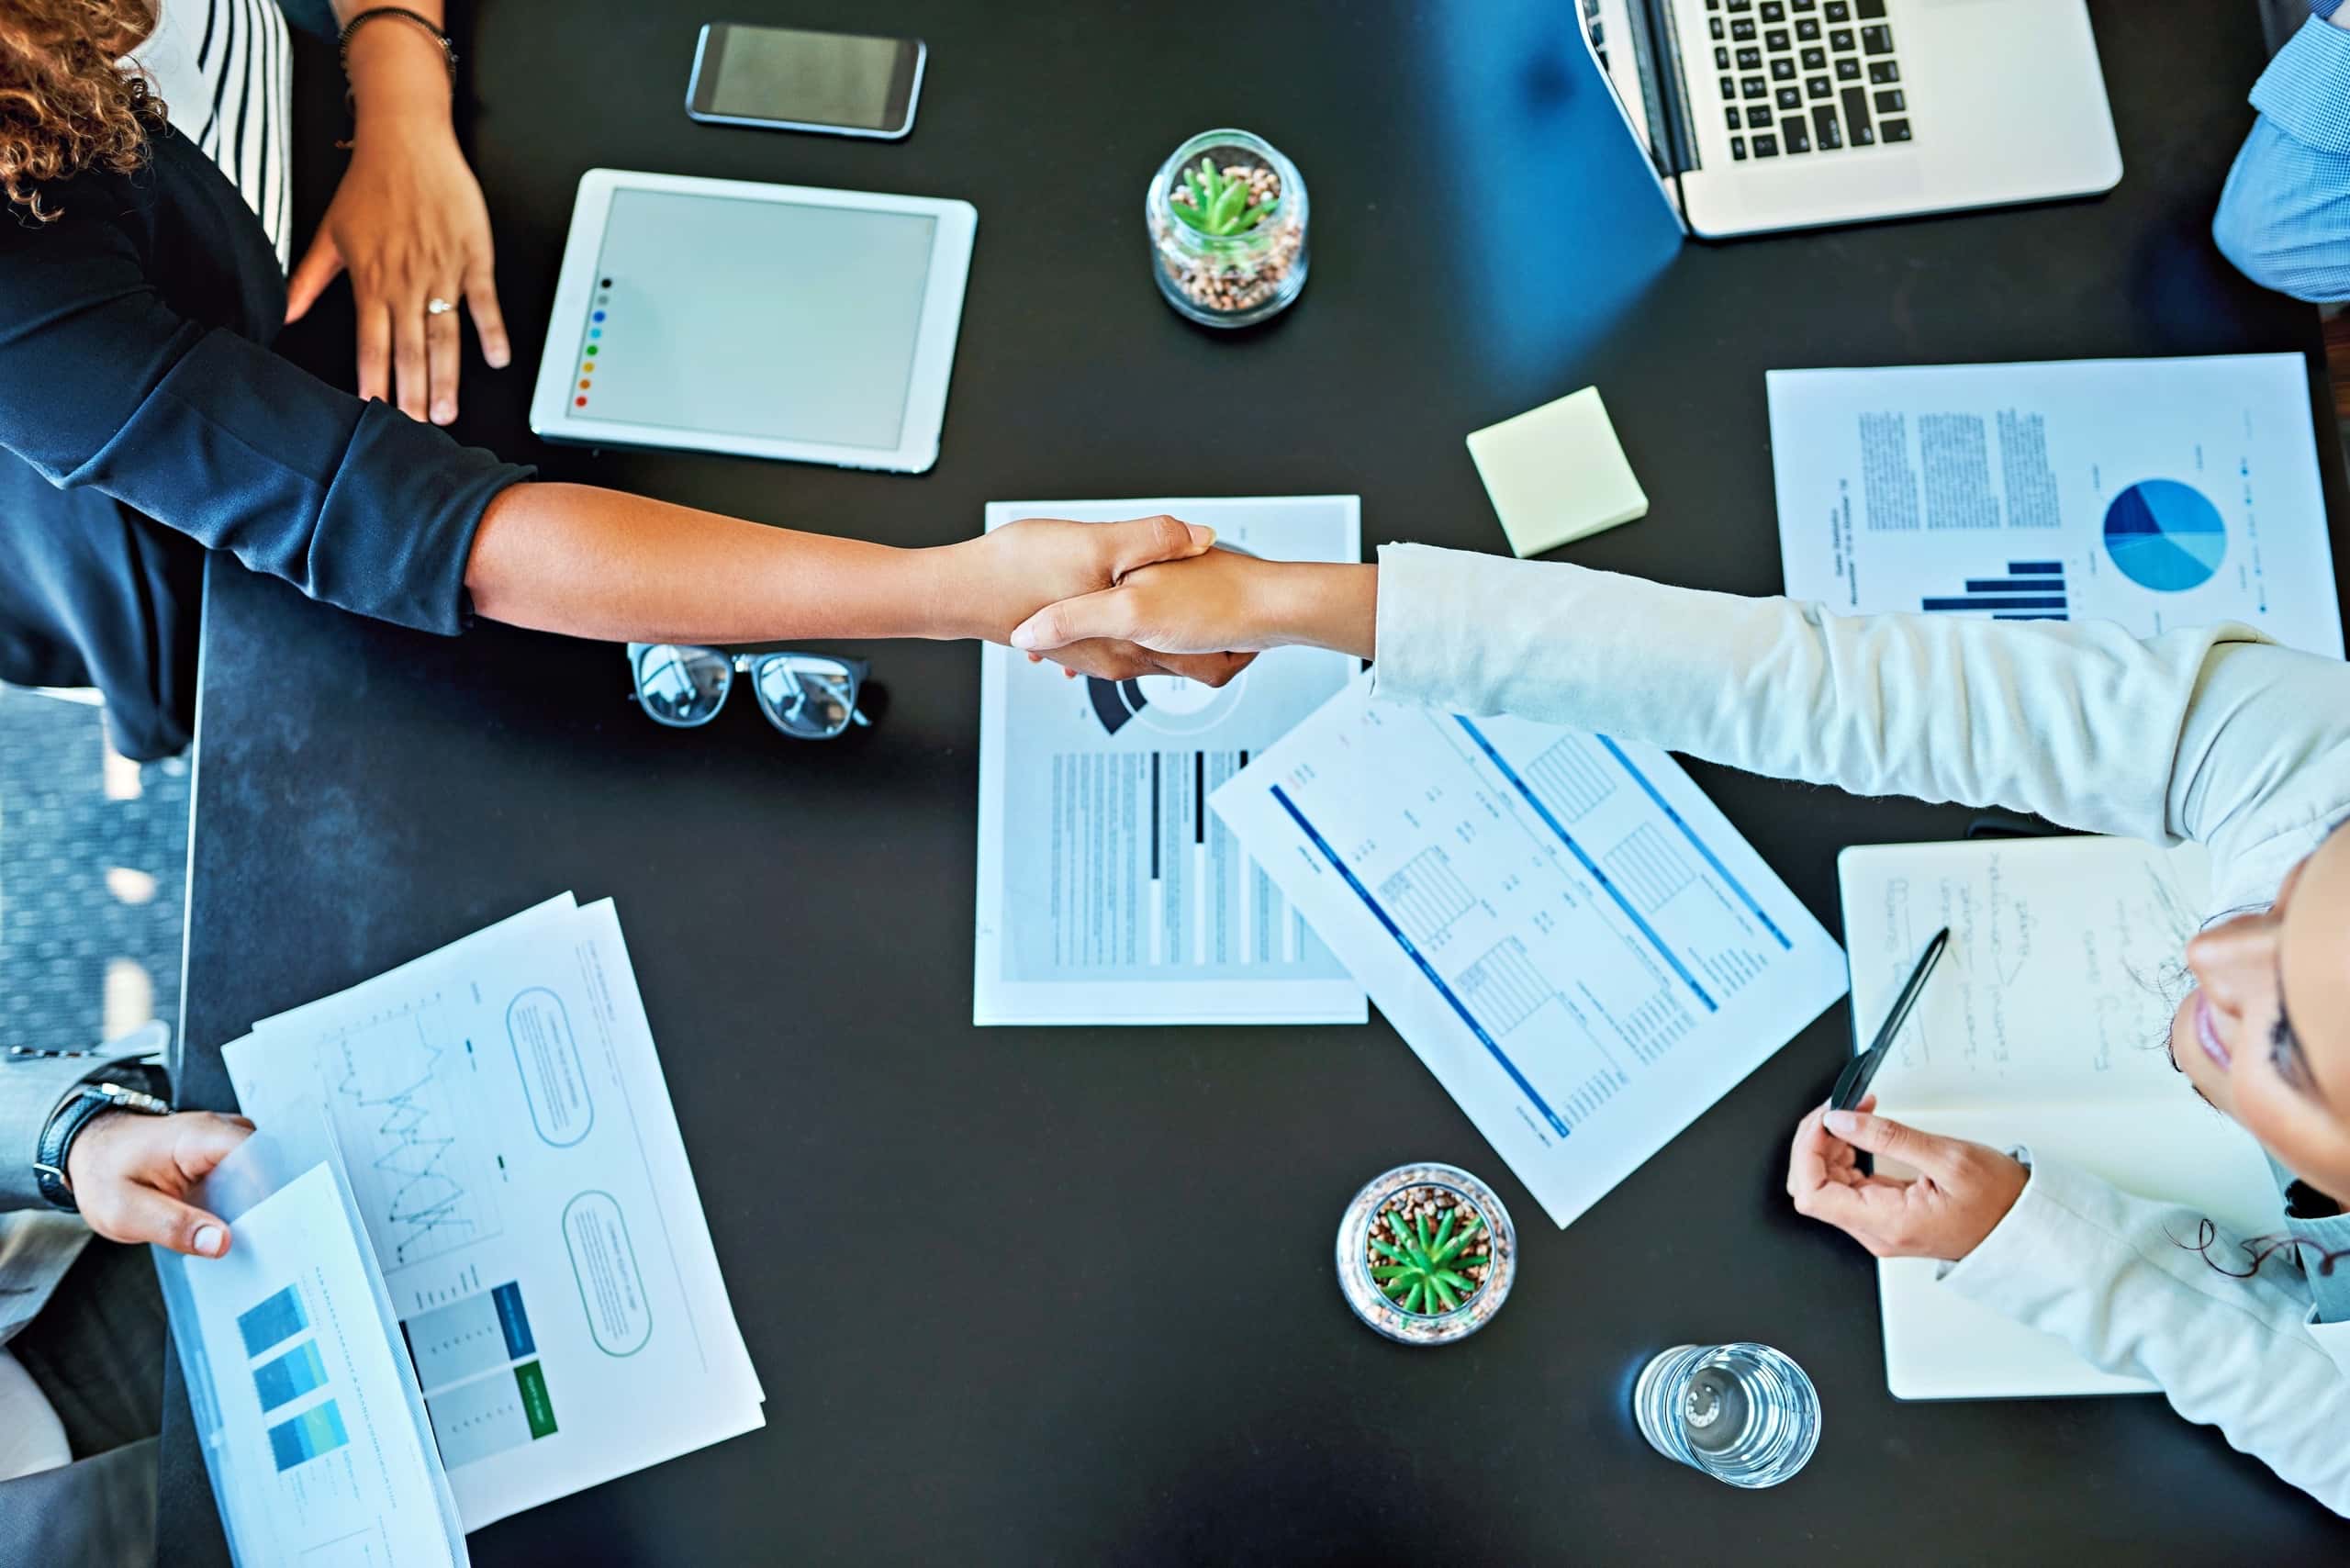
(401, 1091)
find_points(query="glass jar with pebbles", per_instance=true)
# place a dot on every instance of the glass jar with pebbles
(1226, 215)
(1426, 1254)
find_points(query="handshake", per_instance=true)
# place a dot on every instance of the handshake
(1153, 596)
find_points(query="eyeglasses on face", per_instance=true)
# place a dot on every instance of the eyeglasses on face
(810, 697)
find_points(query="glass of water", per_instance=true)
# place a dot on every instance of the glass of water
(1743, 1413)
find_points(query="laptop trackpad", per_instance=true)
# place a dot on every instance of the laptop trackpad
(1812, 190)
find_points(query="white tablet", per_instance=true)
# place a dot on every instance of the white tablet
(769, 320)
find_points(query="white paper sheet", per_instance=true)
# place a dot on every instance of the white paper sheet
(1107, 893)
(1570, 936)
(310, 1422)
(515, 1155)
(2043, 1025)
(2158, 493)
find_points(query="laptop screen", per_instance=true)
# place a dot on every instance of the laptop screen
(1620, 37)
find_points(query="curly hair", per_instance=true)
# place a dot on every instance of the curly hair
(66, 104)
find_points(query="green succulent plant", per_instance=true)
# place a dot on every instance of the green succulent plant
(1426, 1273)
(1219, 203)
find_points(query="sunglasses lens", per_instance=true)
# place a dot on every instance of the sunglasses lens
(682, 685)
(810, 698)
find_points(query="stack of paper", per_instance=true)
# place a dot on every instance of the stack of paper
(514, 1155)
(310, 1419)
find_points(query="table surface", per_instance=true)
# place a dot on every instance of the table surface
(1027, 1370)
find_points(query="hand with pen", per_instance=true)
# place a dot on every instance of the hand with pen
(1961, 1191)
(1959, 1196)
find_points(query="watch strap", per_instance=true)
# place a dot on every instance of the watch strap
(134, 1087)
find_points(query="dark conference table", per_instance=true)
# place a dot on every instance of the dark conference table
(1484, 240)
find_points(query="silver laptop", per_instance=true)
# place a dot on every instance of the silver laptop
(1786, 114)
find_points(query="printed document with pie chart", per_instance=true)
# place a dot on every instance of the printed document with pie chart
(2158, 493)
(1108, 892)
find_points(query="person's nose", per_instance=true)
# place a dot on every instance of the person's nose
(2229, 959)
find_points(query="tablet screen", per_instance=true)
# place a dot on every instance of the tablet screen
(753, 317)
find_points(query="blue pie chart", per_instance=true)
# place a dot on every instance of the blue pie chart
(2164, 535)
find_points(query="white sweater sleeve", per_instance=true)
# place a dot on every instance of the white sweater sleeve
(2119, 1280)
(2213, 734)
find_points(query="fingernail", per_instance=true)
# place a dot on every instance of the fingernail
(1840, 1123)
(443, 412)
(1021, 637)
(1202, 535)
(498, 357)
(209, 1240)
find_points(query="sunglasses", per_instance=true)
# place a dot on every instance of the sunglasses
(810, 697)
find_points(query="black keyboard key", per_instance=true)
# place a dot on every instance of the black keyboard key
(1753, 87)
(1823, 120)
(1783, 70)
(1737, 148)
(1775, 40)
(1758, 117)
(1714, 26)
(1741, 5)
(1772, 11)
(1884, 71)
(1817, 86)
(1730, 87)
(1750, 59)
(1733, 118)
(1856, 118)
(1841, 39)
(1837, 11)
(1789, 98)
(1766, 147)
(1815, 60)
(1877, 40)
(1894, 129)
(1801, 5)
(1869, 10)
(1807, 30)
(1743, 30)
(1848, 71)
(1792, 131)
(1891, 102)
(1721, 58)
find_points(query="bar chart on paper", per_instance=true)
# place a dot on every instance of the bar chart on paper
(1563, 927)
(2157, 494)
(1107, 889)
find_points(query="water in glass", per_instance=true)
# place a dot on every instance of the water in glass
(1743, 1413)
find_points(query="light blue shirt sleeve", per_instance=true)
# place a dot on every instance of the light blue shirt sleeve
(2325, 1257)
(2284, 214)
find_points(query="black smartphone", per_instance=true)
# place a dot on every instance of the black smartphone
(787, 79)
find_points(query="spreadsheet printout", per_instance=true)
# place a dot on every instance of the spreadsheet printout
(1569, 935)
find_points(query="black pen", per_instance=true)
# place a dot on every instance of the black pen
(1853, 1083)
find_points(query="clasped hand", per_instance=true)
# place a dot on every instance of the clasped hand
(1039, 567)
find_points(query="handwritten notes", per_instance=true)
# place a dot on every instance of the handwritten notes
(2063, 968)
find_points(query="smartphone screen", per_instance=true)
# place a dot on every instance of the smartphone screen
(786, 76)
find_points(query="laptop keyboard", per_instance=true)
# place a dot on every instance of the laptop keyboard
(1801, 76)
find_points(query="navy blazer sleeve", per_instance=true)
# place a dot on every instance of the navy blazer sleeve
(103, 384)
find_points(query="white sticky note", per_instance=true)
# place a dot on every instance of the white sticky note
(1557, 473)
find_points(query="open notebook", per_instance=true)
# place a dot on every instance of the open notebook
(2043, 1025)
